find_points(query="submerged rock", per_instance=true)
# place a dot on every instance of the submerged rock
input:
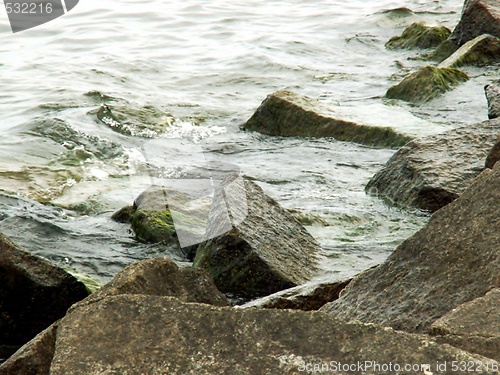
(426, 84)
(430, 172)
(268, 251)
(493, 96)
(417, 35)
(452, 260)
(493, 155)
(484, 49)
(288, 114)
(34, 293)
(473, 326)
(132, 334)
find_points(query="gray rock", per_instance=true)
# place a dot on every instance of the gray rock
(34, 293)
(268, 251)
(307, 297)
(493, 155)
(133, 334)
(432, 171)
(478, 17)
(417, 35)
(473, 326)
(493, 96)
(288, 114)
(482, 50)
(452, 260)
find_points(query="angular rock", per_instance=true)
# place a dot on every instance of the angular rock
(288, 114)
(482, 50)
(452, 260)
(432, 171)
(493, 155)
(162, 277)
(426, 83)
(306, 297)
(473, 326)
(269, 250)
(132, 334)
(34, 293)
(478, 17)
(35, 357)
(492, 92)
(417, 35)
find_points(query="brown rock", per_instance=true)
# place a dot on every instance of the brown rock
(482, 50)
(493, 155)
(478, 17)
(492, 92)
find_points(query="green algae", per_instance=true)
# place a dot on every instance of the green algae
(480, 51)
(426, 84)
(417, 35)
(91, 284)
(153, 226)
(443, 51)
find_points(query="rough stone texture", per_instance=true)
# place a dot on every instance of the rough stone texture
(473, 326)
(452, 260)
(34, 293)
(35, 357)
(482, 50)
(478, 17)
(417, 35)
(493, 155)
(426, 83)
(132, 334)
(266, 252)
(432, 171)
(162, 277)
(305, 297)
(492, 92)
(288, 114)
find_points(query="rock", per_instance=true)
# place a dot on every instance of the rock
(133, 334)
(35, 357)
(124, 215)
(162, 277)
(426, 83)
(285, 113)
(452, 260)
(34, 293)
(417, 35)
(432, 171)
(478, 17)
(493, 155)
(473, 326)
(268, 251)
(305, 297)
(482, 50)
(493, 95)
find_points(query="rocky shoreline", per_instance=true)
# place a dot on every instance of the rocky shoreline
(431, 308)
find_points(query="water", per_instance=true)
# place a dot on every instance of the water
(195, 71)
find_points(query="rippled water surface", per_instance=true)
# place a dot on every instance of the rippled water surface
(193, 71)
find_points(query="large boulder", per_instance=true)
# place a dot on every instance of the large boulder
(452, 260)
(34, 293)
(418, 35)
(493, 155)
(288, 114)
(268, 251)
(432, 171)
(473, 326)
(482, 50)
(133, 334)
(426, 83)
(492, 92)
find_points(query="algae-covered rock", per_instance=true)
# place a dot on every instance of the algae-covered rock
(492, 92)
(473, 326)
(432, 171)
(266, 252)
(417, 35)
(426, 83)
(288, 114)
(482, 50)
(493, 155)
(443, 51)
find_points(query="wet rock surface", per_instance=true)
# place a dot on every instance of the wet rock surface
(418, 35)
(266, 251)
(493, 155)
(482, 50)
(432, 171)
(285, 113)
(492, 91)
(452, 260)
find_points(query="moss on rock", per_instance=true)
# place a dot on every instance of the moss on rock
(426, 83)
(483, 50)
(153, 226)
(417, 35)
(443, 51)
